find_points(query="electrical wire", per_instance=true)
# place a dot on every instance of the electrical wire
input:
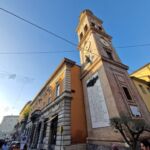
(130, 46)
(58, 36)
(36, 52)
(39, 27)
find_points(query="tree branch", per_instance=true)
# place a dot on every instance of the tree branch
(139, 133)
(130, 130)
(119, 127)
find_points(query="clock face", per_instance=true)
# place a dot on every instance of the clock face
(104, 42)
(87, 46)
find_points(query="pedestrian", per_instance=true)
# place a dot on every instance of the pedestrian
(23, 142)
(25, 147)
(5, 146)
(114, 147)
(145, 145)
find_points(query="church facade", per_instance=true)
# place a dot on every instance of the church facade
(73, 109)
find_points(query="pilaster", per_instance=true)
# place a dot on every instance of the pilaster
(33, 145)
(40, 135)
(31, 134)
(47, 138)
(67, 79)
(64, 120)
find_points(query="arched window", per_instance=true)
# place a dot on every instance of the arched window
(81, 36)
(85, 28)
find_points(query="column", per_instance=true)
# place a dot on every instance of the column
(37, 134)
(40, 135)
(34, 136)
(47, 138)
(28, 134)
(67, 79)
(31, 135)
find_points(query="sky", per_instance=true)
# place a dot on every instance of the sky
(23, 75)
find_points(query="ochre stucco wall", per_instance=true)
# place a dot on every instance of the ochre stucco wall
(78, 120)
(42, 98)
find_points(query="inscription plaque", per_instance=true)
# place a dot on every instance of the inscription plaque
(97, 105)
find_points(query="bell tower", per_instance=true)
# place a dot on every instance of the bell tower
(108, 90)
(94, 42)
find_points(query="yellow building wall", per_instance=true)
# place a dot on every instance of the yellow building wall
(24, 112)
(143, 73)
(42, 99)
(78, 121)
(146, 95)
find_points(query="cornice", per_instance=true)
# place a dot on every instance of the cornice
(85, 72)
(145, 66)
(65, 61)
(103, 59)
(118, 64)
(140, 80)
(64, 95)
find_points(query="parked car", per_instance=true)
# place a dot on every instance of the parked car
(15, 145)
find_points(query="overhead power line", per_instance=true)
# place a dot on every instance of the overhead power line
(56, 52)
(39, 27)
(137, 45)
(55, 35)
(36, 52)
